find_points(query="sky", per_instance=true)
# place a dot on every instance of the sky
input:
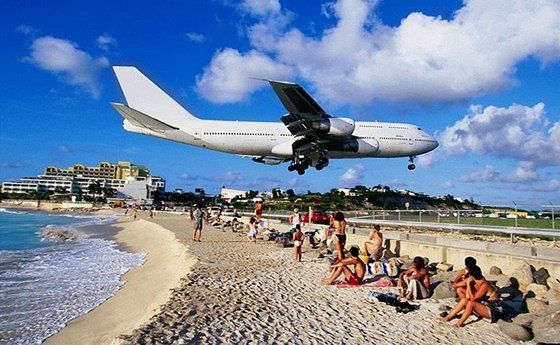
(482, 77)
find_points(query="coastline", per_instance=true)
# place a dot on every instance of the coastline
(166, 263)
(233, 291)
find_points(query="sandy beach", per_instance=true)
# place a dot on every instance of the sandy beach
(227, 290)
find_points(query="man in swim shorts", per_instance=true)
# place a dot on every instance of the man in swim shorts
(297, 237)
(342, 267)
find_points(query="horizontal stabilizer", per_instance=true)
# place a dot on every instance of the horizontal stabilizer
(140, 119)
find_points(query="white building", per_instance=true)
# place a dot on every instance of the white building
(229, 194)
(141, 190)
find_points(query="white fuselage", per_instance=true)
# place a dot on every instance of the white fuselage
(382, 139)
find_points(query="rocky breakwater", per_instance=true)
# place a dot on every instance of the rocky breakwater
(57, 234)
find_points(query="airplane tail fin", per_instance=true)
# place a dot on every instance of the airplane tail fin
(147, 98)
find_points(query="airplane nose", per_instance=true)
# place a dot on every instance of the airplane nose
(435, 144)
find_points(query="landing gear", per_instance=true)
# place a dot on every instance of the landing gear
(300, 167)
(411, 166)
(323, 162)
(302, 163)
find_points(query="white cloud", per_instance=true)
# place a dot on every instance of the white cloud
(105, 42)
(517, 132)
(261, 7)
(27, 29)
(195, 37)
(424, 59)
(486, 174)
(72, 65)
(227, 79)
(353, 175)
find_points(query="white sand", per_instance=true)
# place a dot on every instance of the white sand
(147, 287)
(241, 292)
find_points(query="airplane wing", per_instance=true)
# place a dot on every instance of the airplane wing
(302, 108)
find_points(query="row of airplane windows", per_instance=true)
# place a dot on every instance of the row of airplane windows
(389, 138)
(245, 134)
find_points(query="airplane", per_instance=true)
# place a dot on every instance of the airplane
(306, 137)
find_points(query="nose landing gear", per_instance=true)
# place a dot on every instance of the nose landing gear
(411, 166)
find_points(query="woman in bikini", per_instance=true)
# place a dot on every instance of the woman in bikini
(339, 225)
(481, 298)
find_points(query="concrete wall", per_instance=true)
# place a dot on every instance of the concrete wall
(47, 205)
(508, 257)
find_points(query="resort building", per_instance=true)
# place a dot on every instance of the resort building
(121, 170)
(132, 183)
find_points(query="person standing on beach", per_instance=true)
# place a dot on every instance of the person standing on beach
(258, 210)
(198, 220)
(339, 225)
(252, 234)
(295, 218)
(342, 267)
(298, 242)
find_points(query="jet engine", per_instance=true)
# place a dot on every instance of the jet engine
(336, 126)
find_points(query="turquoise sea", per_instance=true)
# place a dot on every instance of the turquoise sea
(45, 283)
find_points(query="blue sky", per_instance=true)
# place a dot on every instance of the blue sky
(482, 76)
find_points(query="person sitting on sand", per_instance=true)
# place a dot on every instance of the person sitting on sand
(460, 281)
(481, 298)
(298, 242)
(252, 234)
(374, 245)
(342, 267)
(415, 280)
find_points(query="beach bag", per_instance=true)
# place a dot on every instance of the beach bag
(391, 268)
(364, 257)
(377, 267)
(512, 302)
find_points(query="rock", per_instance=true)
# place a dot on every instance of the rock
(444, 290)
(494, 270)
(547, 328)
(514, 331)
(57, 234)
(503, 281)
(548, 336)
(444, 267)
(553, 284)
(524, 275)
(552, 309)
(535, 306)
(553, 297)
(541, 276)
(525, 320)
(539, 290)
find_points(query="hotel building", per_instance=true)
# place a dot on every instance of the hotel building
(132, 182)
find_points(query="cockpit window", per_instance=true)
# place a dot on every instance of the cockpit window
(419, 128)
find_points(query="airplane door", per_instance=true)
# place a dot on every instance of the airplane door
(197, 134)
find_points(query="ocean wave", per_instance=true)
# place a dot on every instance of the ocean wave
(10, 211)
(42, 289)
